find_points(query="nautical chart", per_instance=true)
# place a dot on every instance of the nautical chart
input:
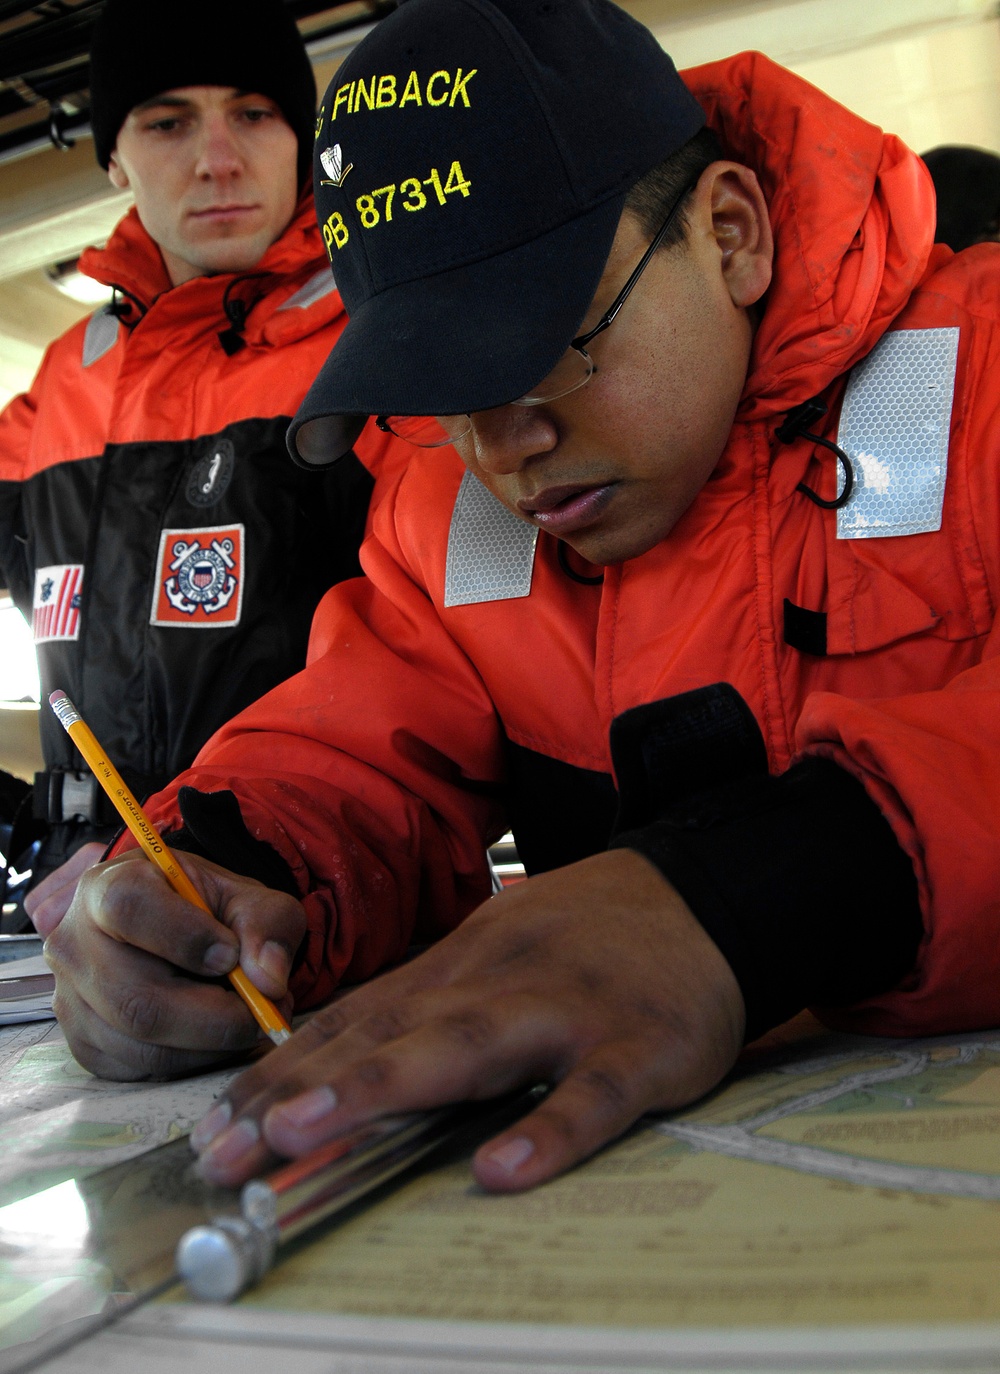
(840, 1181)
(905, 1097)
(832, 1182)
(57, 1121)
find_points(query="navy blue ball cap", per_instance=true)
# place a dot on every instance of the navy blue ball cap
(472, 163)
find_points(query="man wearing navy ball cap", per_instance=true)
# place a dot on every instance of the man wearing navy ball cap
(703, 608)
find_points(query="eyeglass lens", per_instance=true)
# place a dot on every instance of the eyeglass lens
(573, 370)
(428, 431)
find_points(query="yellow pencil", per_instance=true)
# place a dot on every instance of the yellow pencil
(268, 1017)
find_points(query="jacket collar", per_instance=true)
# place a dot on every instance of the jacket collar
(852, 211)
(132, 262)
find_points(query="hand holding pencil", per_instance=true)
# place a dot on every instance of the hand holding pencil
(265, 1012)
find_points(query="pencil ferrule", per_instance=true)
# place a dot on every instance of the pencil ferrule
(67, 712)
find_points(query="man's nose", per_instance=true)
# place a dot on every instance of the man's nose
(218, 153)
(507, 438)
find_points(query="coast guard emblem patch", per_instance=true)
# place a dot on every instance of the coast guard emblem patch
(55, 606)
(200, 577)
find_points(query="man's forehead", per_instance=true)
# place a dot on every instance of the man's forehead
(195, 95)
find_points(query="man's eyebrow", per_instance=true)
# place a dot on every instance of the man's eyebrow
(177, 102)
(254, 95)
(174, 102)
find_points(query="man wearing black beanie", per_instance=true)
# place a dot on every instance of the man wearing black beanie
(145, 489)
(141, 50)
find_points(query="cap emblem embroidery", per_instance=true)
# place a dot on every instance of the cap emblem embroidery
(333, 164)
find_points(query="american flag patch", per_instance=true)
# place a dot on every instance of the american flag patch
(55, 611)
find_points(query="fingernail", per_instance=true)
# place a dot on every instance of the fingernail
(209, 1126)
(232, 1145)
(220, 958)
(512, 1155)
(273, 959)
(308, 1107)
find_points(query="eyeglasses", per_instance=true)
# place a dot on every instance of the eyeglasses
(573, 370)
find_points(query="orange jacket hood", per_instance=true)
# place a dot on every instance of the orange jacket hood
(852, 210)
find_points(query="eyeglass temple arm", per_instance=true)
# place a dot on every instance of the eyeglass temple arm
(608, 318)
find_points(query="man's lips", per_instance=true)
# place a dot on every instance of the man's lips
(563, 509)
(221, 211)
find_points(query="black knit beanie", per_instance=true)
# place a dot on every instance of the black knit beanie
(141, 48)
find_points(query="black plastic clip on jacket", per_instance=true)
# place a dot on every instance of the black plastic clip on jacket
(793, 427)
(232, 339)
(125, 307)
(237, 310)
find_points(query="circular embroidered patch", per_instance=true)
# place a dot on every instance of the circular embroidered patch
(212, 474)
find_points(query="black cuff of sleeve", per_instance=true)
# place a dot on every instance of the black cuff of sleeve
(214, 829)
(691, 743)
(800, 882)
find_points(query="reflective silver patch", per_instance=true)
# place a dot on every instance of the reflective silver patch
(894, 426)
(491, 553)
(318, 286)
(100, 337)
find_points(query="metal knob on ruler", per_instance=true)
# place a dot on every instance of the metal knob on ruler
(219, 1260)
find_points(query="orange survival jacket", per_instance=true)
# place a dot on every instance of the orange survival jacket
(166, 551)
(378, 773)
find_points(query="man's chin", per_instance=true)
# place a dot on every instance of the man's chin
(605, 548)
(215, 264)
(226, 255)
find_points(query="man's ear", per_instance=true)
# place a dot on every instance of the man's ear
(117, 173)
(741, 227)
